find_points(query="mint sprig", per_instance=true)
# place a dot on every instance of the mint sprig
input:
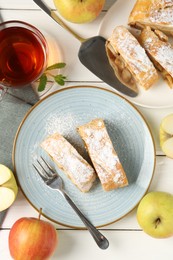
(60, 79)
(42, 82)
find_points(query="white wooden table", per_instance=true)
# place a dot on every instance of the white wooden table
(127, 240)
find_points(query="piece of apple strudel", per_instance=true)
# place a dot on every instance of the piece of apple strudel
(158, 14)
(103, 155)
(129, 60)
(160, 51)
(70, 161)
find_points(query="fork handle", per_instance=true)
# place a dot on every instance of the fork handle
(101, 241)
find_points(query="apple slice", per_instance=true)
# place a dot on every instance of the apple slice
(8, 188)
(166, 135)
(167, 147)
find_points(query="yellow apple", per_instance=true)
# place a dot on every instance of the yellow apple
(8, 187)
(166, 135)
(79, 11)
(155, 214)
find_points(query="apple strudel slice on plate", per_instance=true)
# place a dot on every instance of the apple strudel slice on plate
(70, 161)
(129, 60)
(103, 155)
(160, 52)
(158, 14)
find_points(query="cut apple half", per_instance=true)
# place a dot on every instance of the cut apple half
(8, 188)
(7, 197)
(167, 147)
(166, 135)
(167, 124)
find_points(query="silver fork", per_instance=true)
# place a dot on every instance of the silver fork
(54, 181)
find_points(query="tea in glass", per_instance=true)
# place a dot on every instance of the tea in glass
(23, 54)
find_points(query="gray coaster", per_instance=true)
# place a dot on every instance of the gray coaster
(12, 111)
(13, 108)
(26, 94)
(2, 216)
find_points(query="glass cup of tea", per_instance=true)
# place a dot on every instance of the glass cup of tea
(23, 55)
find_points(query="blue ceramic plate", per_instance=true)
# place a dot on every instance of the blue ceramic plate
(63, 111)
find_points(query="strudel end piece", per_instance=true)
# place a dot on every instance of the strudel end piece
(70, 161)
(160, 52)
(158, 14)
(129, 60)
(103, 155)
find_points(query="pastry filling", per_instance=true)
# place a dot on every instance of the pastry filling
(161, 53)
(120, 68)
(168, 78)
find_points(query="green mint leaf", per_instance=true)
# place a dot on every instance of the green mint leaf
(60, 79)
(56, 66)
(42, 82)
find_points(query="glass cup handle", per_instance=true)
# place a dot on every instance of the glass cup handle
(3, 90)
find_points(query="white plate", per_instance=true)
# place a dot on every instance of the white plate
(160, 95)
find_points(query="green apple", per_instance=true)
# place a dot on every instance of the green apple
(166, 135)
(79, 11)
(155, 214)
(8, 187)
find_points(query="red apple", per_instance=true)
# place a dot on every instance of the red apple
(31, 239)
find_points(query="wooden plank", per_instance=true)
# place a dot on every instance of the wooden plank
(28, 4)
(76, 244)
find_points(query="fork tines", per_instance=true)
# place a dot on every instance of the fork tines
(44, 172)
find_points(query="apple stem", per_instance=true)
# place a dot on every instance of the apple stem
(40, 213)
(157, 222)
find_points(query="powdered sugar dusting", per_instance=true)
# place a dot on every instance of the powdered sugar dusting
(164, 17)
(96, 141)
(165, 56)
(162, 12)
(102, 153)
(70, 161)
(132, 52)
(117, 176)
(161, 51)
(63, 124)
(60, 123)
